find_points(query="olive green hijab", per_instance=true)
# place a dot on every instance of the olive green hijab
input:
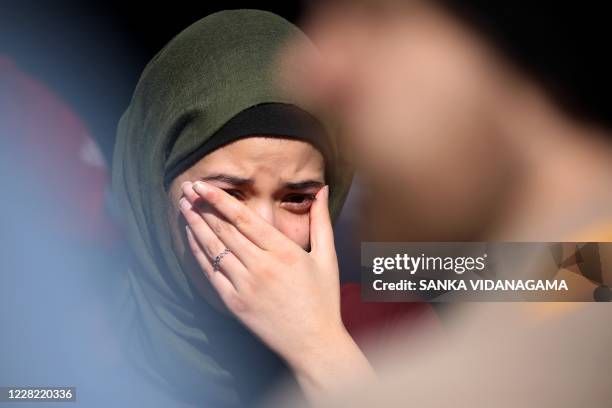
(210, 72)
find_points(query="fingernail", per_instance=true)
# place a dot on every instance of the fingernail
(201, 187)
(325, 192)
(185, 185)
(184, 203)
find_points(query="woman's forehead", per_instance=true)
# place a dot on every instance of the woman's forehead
(259, 155)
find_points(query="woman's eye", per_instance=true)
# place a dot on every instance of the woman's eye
(298, 202)
(236, 193)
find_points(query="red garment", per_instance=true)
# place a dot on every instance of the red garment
(54, 151)
(371, 324)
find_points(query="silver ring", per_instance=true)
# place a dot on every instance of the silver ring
(218, 258)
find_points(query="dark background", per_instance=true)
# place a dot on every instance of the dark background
(92, 52)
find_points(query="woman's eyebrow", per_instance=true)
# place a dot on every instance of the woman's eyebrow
(301, 185)
(226, 178)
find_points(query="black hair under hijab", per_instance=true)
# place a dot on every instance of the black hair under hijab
(267, 119)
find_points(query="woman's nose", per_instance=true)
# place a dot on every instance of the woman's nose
(264, 208)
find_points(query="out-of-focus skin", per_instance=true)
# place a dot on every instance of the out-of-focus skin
(448, 133)
(456, 143)
(501, 355)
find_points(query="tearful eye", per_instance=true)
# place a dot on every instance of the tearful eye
(235, 193)
(298, 203)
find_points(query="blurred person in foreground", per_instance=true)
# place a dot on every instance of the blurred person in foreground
(61, 251)
(479, 121)
(475, 121)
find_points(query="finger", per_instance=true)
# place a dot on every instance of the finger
(321, 231)
(189, 193)
(212, 246)
(256, 229)
(241, 246)
(219, 281)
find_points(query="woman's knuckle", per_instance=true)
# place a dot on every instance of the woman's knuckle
(236, 303)
(241, 219)
(287, 257)
(209, 251)
(266, 274)
(217, 227)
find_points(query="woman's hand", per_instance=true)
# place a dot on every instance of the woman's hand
(287, 296)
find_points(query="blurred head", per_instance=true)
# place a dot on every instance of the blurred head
(425, 99)
(275, 177)
(418, 94)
